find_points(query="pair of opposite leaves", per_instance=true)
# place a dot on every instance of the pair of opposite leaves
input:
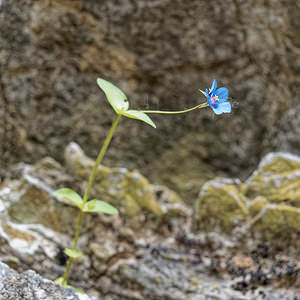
(120, 103)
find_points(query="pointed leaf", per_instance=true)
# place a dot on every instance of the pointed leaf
(138, 115)
(69, 195)
(98, 206)
(72, 253)
(114, 95)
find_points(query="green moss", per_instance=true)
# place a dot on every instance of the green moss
(278, 180)
(257, 205)
(220, 204)
(278, 220)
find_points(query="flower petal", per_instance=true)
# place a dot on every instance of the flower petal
(213, 86)
(224, 107)
(222, 93)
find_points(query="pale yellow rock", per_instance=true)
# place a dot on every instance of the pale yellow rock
(277, 178)
(220, 204)
(268, 202)
(277, 220)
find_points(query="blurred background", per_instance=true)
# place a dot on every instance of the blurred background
(160, 53)
(178, 235)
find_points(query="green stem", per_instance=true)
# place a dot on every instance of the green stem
(87, 191)
(174, 112)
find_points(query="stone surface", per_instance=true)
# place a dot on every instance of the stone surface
(277, 178)
(29, 285)
(160, 53)
(220, 205)
(36, 226)
(174, 275)
(129, 191)
(266, 204)
(152, 256)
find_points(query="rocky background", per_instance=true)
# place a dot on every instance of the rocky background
(160, 53)
(240, 242)
(188, 228)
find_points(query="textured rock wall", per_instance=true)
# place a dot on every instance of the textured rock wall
(160, 53)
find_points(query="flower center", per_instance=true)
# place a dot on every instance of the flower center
(214, 100)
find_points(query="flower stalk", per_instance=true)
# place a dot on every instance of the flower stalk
(87, 191)
(174, 112)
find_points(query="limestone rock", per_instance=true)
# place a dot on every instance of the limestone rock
(277, 178)
(30, 200)
(128, 190)
(266, 204)
(172, 276)
(220, 204)
(29, 285)
(36, 226)
(277, 221)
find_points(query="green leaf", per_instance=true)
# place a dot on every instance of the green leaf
(69, 195)
(98, 206)
(138, 115)
(72, 253)
(114, 95)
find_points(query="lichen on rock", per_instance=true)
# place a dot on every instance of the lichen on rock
(128, 190)
(277, 178)
(220, 205)
(266, 204)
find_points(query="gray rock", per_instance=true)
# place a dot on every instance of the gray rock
(156, 257)
(29, 285)
(265, 206)
(160, 53)
(171, 275)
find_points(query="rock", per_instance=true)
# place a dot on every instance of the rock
(277, 221)
(30, 200)
(174, 276)
(36, 226)
(128, 190)
(266, 204)
(160, 54)
(220, 205)
(29, 285)
(277, 178)
(149, 255)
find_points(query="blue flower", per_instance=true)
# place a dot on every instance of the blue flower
(217, 99)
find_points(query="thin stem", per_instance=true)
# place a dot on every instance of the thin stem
(87, 191)
(174, 112)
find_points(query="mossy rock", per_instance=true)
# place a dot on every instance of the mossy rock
(277, 221)
(130, 191)
(277, 178)
(220, 205)
(268, 203)
(28, 203)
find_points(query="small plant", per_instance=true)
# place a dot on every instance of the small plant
(216, 99)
